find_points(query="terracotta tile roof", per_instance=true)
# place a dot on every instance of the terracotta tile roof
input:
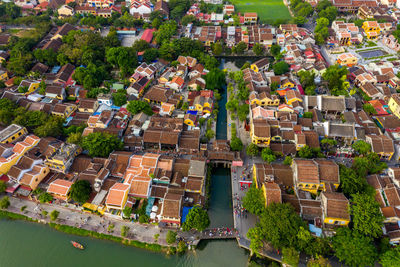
(116, 194)
(307, 171)
(59, 187)
(336, 206)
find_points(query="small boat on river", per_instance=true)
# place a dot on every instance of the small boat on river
(77, 245)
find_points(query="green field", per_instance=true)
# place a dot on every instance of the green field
(268, 10)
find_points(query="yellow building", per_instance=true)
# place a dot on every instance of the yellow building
(394, 105)
(371, 29)
(33, 177)
(293, 96)
(260, 65)
(117, 196)
(63, 110)
(381, 145)
(12, 133)
(190, 119)
(19, 150)
(263, 99)
(335, 209)
(63, 158)
(260, 132)
(347, 59)
(203, 104)
(314, 175)
(3, 74)
(287, 84)
(30, 86)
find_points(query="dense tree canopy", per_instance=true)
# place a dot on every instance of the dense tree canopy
(197, 218)
(215, 79)
(236, 144)
(254, 201)
(280, 68)
(390, 258)
(101, 144)
(137, 106)
(353, 248)
(279, 225)
(336, 76)
(80, 191)
(367, 216)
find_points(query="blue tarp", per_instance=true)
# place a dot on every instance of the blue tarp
(185, 212)
(193, 112)
(317, 231)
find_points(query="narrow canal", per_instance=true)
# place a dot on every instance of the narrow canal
(30, 244)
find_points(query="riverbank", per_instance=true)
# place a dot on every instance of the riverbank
(87, 233)
(76, 222)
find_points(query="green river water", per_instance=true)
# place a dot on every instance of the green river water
(30, 244)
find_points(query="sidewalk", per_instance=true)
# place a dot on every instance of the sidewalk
(91, 222)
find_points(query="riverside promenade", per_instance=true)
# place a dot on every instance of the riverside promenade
(76, 218)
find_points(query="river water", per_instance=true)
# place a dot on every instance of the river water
(30, 244)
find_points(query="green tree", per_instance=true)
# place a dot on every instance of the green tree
(305, 152)
(367, 216)
(75, 138)
(243, 111)
(185, 106)
(267, 155)
(361, 147)
(368, 108)
(54, 215)
(137, 106)
(254, 201)
(391, 257)
(4, 203)
(280, 68)
(209, 134)
(232, 105)
(181, 247)
(236, 144)
(215, 79)
(3, 187)
(240, 47)
(80, 191)
(124, 231)
(188, 19)
(318, 261)
(140, 45)
(171, 237)
(150, 55)
(45, 197)
(300, 20)
(275, 50)
(119, 98)
(351, 182)
(101, 144)
(197, 218)
(328, 143)
(252, 150)
(217, 49)
(306, 78)
(258, 49)
(279, 225)
(290, 256)
(336, 76)
(353, 248)
(288, 160)
(127, 211)
(330, 13)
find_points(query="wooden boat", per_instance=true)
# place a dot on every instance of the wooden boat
(77, 245)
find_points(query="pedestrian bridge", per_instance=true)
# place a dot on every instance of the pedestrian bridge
(218, 233)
